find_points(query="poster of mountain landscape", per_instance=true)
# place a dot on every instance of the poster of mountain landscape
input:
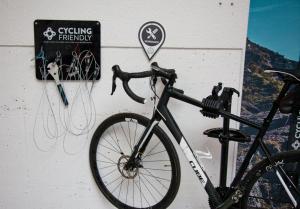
(273, 42)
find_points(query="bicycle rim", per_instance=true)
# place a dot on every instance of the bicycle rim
(147, 186)
(266, 189)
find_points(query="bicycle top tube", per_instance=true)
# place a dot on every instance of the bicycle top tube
(212, 106)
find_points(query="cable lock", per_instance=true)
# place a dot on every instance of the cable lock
(215, 102)
(210, 107)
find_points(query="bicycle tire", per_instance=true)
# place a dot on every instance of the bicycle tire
(139, 176)
(262, 186)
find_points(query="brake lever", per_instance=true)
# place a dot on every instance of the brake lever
(114, 85)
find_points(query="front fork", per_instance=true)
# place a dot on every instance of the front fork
(140, 147)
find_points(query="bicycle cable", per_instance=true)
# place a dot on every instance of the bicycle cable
(61, 124)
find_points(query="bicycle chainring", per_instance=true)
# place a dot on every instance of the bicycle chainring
(223, 192)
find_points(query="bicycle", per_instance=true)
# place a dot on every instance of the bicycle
(135, 164)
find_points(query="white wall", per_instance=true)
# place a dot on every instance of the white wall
(205, 42)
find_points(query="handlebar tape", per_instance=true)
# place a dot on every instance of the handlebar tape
(125, 77)
(133, 95)
(163, 72)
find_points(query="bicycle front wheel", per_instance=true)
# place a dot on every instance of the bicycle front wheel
(264, 184)
(152, 184)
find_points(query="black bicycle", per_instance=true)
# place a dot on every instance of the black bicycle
(135, 164)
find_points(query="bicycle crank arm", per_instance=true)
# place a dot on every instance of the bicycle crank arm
(232, 199)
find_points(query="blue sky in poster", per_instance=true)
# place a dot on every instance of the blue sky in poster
(275, 24)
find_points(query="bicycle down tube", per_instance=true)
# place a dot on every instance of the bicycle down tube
(163, 113)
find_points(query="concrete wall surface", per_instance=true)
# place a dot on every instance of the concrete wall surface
(205, 43)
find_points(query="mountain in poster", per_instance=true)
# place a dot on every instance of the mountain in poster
(259, 91)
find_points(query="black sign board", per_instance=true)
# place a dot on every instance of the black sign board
(73, 45)
(151, 36)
